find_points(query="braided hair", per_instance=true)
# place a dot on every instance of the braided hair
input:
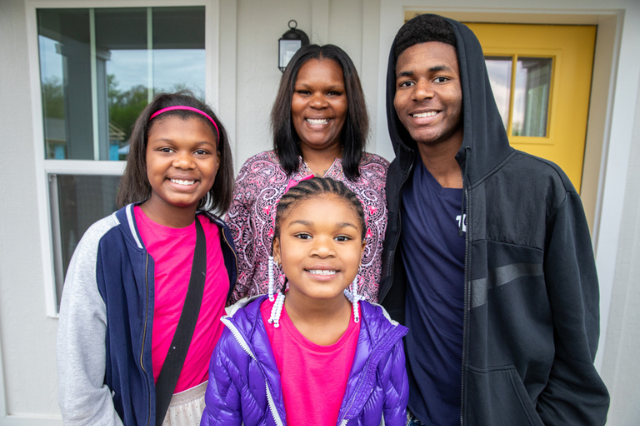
(315, 187)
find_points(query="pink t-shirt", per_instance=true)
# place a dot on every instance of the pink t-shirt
(314, 377)
(172, 252)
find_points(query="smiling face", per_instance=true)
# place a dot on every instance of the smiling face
(319, 105)
(320, 247)
(428, 97)
(182, 162)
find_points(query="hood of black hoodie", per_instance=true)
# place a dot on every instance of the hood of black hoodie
(485, 144)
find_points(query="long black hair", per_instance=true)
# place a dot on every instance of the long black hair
(134, 185)
(356, 127)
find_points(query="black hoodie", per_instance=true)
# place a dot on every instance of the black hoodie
(531, 321)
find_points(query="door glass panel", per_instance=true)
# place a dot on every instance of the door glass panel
(531, 98)
(499, 69)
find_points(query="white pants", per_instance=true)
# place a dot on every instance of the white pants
(186, 407)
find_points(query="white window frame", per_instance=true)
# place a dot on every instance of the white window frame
(44, 167)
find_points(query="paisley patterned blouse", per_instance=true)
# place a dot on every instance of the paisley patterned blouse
(259, 186)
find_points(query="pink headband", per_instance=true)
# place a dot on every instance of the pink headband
(187, 108)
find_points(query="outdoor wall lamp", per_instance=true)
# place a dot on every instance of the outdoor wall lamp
(289, 44)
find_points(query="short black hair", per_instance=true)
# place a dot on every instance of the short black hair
(423, 29)
(135, 186)
(317, 187)
(356, 126)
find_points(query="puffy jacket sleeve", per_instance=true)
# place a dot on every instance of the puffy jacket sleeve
(81, 353)
(575, 393)
(222, 398)
(393, 376)
(239, 221)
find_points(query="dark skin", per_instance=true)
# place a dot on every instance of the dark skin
(182, 162)
(319, 234)
(428, 102)
(318, 111)
(323, 323)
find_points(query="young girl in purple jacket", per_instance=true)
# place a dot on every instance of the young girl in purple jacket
(317, 354)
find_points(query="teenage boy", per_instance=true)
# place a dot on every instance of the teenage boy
(488, 258)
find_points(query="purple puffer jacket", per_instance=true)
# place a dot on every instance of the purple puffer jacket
(244, 382)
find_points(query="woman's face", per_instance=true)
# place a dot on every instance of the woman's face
(319, 105)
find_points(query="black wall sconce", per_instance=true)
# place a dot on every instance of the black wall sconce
(289, 44)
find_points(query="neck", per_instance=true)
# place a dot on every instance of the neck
(167, 214)
(321, 321)
(319, 161)
(440, 160)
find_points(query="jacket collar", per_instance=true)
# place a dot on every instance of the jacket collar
(126, 216)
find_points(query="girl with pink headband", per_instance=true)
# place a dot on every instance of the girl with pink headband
(147, 285)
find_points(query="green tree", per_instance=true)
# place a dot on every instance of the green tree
(125, 106)
(53, 98)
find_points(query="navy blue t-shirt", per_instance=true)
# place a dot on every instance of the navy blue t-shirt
(433, 255)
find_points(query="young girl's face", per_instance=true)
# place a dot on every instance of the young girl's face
(182, 160)
(320, 246)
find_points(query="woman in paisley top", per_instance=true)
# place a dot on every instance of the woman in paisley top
(320, 126)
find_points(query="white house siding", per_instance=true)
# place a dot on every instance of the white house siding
(27, 335)
(259, 26)
(620, 368)
(245, 86)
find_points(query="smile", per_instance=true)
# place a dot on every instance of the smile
(322, 272)
(317, 121)
(424, 114)
(183, 182)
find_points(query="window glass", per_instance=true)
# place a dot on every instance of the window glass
(178, 55)
(77, 201)
(531, 98)
(100, 68)
(499, 70)
(65, 70)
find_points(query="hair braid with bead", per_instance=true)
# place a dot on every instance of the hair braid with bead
(305, 190)
(316, 187)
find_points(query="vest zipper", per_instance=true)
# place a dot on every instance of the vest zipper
(382, 343)
(245, 347)
(467, 287)
(144, 331)
(272, 406)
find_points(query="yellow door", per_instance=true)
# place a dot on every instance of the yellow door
(545, 107)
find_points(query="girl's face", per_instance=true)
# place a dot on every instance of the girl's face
(319, 104)
(182, 161)
(320, 247)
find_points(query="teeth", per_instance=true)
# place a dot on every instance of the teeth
(317, 120)
(183, 182)
(425, 114)
(322, 272)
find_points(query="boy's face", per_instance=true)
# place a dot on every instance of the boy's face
(428, 97)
